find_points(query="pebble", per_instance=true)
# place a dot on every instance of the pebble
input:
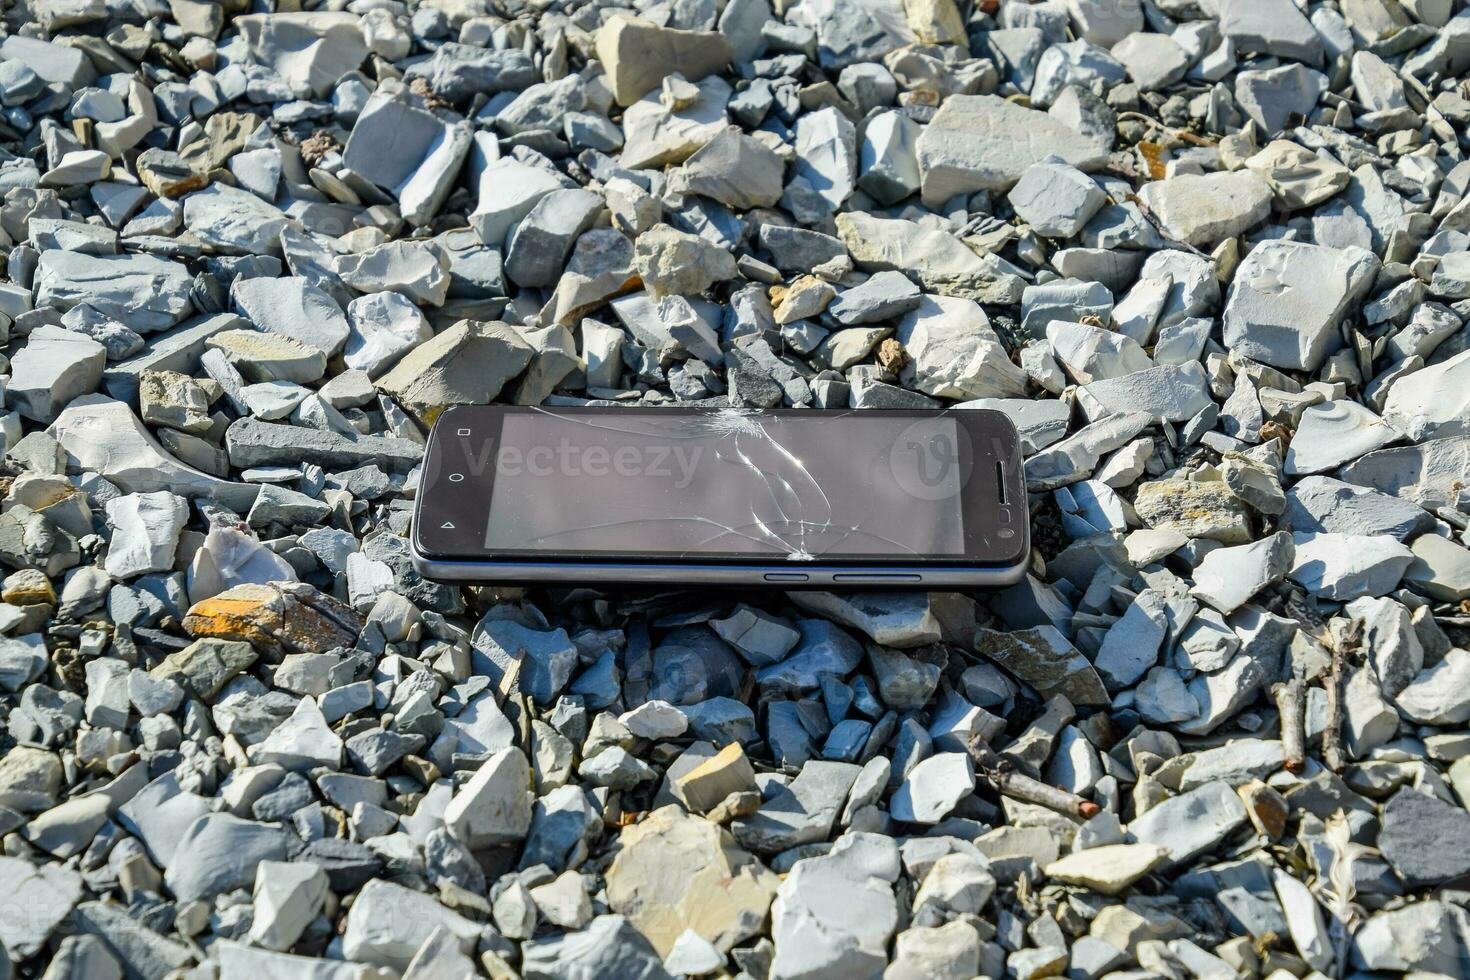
(1110, 868)
(836, 913)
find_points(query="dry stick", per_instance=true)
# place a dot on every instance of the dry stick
(1289, 702)
(1018, 786)
(1332, 752)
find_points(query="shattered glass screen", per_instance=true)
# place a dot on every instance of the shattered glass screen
(729, 482)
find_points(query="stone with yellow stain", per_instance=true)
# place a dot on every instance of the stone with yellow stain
(1198, 509)
(637, 56)
(466, 364)
(707, 785)
(676, 871)
(28, 587)
(807, 297)
(936, 22)
(289, 617)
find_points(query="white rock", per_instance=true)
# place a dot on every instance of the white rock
(973, 144)
(145, 532)
(104, 436)
(1304, 920)
(1287, 300)
(826, 154)
(1108, 869)
(301, 742)
(54, 367)
(954, 353)
(693, 955)
(310, 51)
(1094, 354)
(494, 807)
(933, 788)
(228, 558)
(1334, 433)
(384, 326)
(1441, 694)
(1346, 566)
(1433, 402)
(834, 914)
(656, 135)
(288, 896)
(956, 884)
(388, 923)
(1202, 209)
(655, 720)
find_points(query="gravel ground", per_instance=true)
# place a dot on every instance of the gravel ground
(1212, 256)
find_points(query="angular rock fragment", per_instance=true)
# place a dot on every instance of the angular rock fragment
(981, 142)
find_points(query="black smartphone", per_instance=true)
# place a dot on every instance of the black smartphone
(696, 496)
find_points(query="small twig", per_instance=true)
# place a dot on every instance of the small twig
(1179, 134)
(1332, 750)
(1290, 697)
(1018, 786)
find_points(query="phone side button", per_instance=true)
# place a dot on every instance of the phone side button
(877, 577)
(786, 577)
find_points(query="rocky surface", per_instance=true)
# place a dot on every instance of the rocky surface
(1213, 259)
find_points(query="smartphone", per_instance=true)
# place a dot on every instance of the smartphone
(697, 496)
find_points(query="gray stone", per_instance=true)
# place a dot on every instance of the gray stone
(895, 619)
(1131, 645)
(1270, 27)
(933, 788)
(47, 893)
(54, 368)
(1335, 433)
(1320, 503)
(467, 364)
(541, 662)
(143, 291)
(972, 145)
(223, 852)
(1202, 209)
(251, 443)
(608, 947)
(234, 221)
(1192, 823)
(800, 813)
(292, 307)
(1346, 566)
(834, 914)
(1055, 199)
(1424, 839)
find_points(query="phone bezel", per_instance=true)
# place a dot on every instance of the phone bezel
(464, 504)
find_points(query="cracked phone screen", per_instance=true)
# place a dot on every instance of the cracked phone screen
(728, 482)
